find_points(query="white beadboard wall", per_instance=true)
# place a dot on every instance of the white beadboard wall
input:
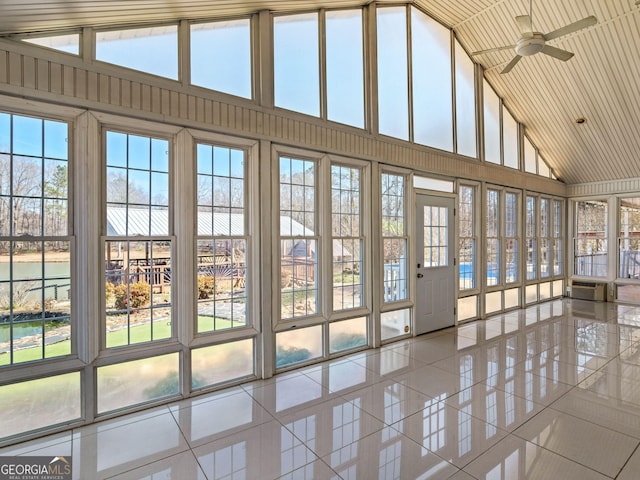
(35, 73)
(613, 187)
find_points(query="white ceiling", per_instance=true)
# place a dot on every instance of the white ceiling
(601, 83)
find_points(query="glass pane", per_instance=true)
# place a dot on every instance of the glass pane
(511, 260)
(395, 269)
(432, 83)
(347, 274)
(347, 334)
(493, 302)
(510, 139)
(393, 71)
(221, 363)
(393, 201)
(27, 136)
(22, 403)
(221, 280)
(140, 381)
(300, 345)
(137, 179)
(433, 184)
(221, 56)
(465, 103)
(151, 49)
(558, 288)
(64, 43)
(296, 63)
(493, 262)
(56, 141)
(491, 124)
(345, 67)
(529, 156)
(298, 287)
(467, 308)
(545, 291)
(395, 324)
(137, 292)
(512, 298)
(466, 234)
(467, 256)
(531, 294)
(436, 236)
(297, 194)
(543, 168)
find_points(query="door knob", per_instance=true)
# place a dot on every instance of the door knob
(420, 275)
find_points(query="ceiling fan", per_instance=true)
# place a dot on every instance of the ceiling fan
(532, 42)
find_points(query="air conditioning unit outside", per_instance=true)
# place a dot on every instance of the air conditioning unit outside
(589, 291)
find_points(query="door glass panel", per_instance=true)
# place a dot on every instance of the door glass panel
(436, 234)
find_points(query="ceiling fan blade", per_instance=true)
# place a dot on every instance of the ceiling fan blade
(557, 53)
(525, 24)
(511, 64)
(572, 27)
(490, 50)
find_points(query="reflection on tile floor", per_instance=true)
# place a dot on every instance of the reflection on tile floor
(552, 391)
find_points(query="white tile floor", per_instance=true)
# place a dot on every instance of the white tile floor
(550, 392)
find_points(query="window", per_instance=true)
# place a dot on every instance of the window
(543, 168)
(222, 238)
(432, 82)
(65, 43)
(491, 124)
(221, 56)
(297, 63)
(532, 239)
(345, 67)
(465, 103)
(309, 233)
(545, 238)
(346, 205)
(493, 238)
(530, 158)
(393, 71)
(511, 237)
(299, 241)
(629, 241)
(467, 237)
(558, 254)
(35, 239)
(394, 237)
(510, 139)
(299, 54)
(138, 242)
(149, 49)
(590, 241)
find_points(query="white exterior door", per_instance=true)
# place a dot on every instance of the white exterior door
(435, 285)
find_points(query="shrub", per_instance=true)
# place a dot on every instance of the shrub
(109, 292)
(139, 295)
(206, 286)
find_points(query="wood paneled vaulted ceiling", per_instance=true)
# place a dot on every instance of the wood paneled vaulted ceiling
(601, 83)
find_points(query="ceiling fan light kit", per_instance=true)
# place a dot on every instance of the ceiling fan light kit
(527, 46)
